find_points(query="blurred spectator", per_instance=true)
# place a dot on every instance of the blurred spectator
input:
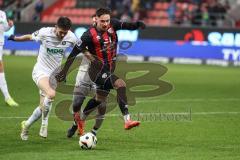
(200, 15)
(216, 11)
(135, 5)
(181, 12)
(196, 15)
(18, 8)
(5, 3)
(227, 5)
(126, 16)
(205, 15)
(183, 15)
(1, 4)
(172, 10)
(38, 10)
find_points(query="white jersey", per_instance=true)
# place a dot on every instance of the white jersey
(52, 49)
(3, 26)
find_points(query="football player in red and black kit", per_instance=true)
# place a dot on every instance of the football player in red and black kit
(99, 45)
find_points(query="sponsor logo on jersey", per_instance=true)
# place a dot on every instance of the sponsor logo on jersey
(104, 75)
(55, 51)
(79, 42)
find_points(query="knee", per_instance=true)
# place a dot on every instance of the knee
(102, 109)
(101, 113)
(119, 83)
(51, 94)
(78, 101)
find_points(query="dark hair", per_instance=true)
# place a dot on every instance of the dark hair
(102, 11)
(64, 23)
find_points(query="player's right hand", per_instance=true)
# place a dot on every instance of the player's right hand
(11, 38)
(61, 76)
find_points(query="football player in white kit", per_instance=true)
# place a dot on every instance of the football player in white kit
(54, 42)
(5, 25)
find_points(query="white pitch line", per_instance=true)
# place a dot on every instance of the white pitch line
(145, 114)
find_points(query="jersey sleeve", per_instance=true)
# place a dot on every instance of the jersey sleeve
(84, 41)
(4, 22)
(81, 44)
(38, 35)
(74, 39)
(118, 25)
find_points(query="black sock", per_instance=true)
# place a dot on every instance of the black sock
(91, 105)
(77, 103)
(122, 100)
(94, 131)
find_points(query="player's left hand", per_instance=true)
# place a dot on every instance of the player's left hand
(141, 24)
(61, 76)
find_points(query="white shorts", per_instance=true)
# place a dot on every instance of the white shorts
(84, 86)
(1, 52)
(38, 74)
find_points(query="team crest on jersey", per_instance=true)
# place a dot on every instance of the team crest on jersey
(110, 30)
(104, 75)
(79, 42)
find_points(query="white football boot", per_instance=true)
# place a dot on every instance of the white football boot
(43, 131)
(24, 132)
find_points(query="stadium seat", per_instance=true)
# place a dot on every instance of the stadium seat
(158, 6)
(69, 3)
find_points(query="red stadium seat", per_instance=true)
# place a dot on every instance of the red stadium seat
(69, 3)
(158, 6)
(158, 22)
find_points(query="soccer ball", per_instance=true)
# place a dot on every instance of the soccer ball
(88, 141)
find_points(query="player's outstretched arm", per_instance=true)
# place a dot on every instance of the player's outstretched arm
(133, 26)
(128, 25)
(27, 37)
(78, 48)
(61, 76)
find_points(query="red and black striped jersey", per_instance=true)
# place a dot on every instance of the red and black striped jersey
(103, 45)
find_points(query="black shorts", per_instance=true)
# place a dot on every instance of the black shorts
(102, 76)
(105, 82)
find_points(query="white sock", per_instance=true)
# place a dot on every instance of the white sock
(47, 105)
(3, 86)
(94, 131)
(34, 117)
(126, 117)
(83, 116)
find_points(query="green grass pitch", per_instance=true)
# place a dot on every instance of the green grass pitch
(208, 95)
